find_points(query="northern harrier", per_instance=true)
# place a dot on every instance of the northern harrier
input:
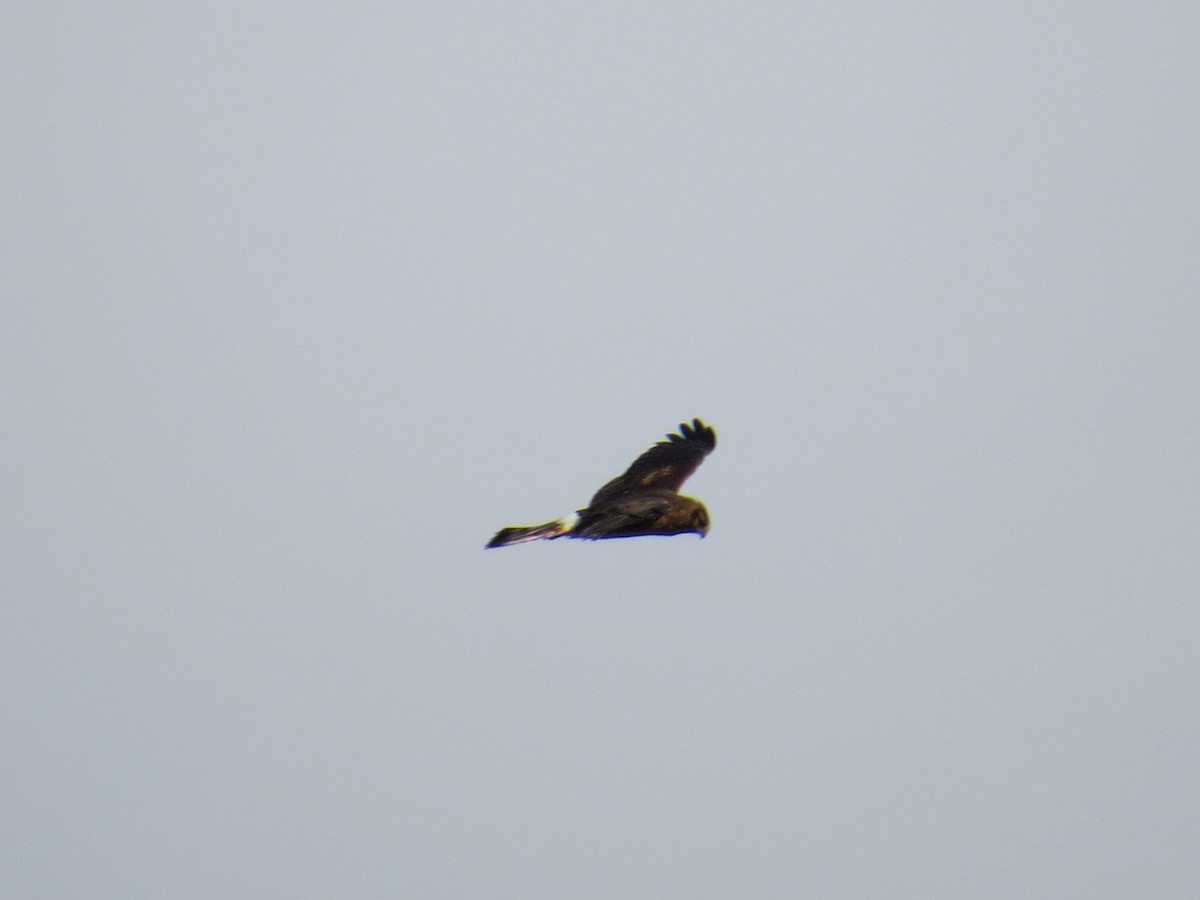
(645, 500)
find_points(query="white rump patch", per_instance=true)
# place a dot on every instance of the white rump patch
(568, 522)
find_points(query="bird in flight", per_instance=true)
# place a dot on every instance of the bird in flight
(645, 500)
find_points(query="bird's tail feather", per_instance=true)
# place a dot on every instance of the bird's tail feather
(519, 534)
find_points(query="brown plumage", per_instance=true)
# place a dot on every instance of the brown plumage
(644, 500)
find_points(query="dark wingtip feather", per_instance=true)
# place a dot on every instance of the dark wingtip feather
(698, 431)
(695, 431)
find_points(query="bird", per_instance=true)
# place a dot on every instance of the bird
(644, 500)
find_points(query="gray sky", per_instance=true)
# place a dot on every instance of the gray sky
(303, 302)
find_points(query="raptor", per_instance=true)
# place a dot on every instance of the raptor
(644, 500)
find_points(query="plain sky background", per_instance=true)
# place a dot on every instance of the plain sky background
(303, 301)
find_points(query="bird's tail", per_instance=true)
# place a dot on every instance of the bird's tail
(519, 534)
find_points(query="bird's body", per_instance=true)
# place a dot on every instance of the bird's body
(642, 501)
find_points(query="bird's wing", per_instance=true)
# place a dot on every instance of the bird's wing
(666, 465)
(626, 516)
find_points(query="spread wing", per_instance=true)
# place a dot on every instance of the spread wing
(666, 465)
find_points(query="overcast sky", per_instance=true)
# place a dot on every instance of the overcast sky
(303, 301)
